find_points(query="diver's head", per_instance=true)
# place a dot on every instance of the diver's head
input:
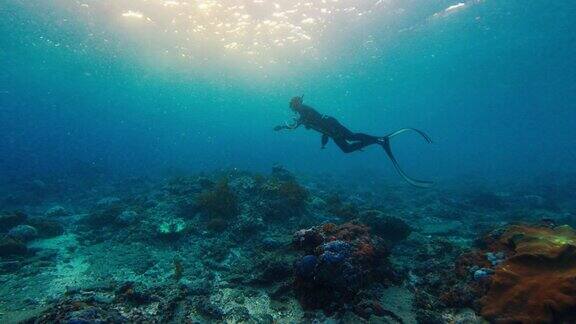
(296, 103)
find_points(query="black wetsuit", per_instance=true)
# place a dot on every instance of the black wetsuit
(346, 140)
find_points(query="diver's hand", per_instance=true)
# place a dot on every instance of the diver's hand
(277, 128)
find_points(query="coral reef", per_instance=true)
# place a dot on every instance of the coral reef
(232, 246)
(344, 211)
(12, 247)
(535, 283)
(46, 228)
(281, 174)
(172, 228)
(57, 211)
(518, 274)
(105, 213)
(339, 261)
(220, 204)
(390, 228)
(284, 198)
(23, 233)
(9, 220)
(294, 193)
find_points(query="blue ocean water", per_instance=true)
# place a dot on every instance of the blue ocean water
(491, 81)
(142, 179)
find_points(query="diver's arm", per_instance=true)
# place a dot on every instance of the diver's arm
(288, 126)
(324, 140)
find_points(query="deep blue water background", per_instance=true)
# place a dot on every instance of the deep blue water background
(494, 85)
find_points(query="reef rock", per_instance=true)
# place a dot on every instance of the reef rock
(47, 228)
(389, 228)
(23, 233)
(105, 213)
(12, 247)
(281, 174)
(536, 283)
(9, 220)
(57, 211)
(481, 198)
(108, 202)
(128, 217)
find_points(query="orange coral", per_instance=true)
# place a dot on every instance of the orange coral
(328, 228)
(352, 231)
(365, 251)
(536, 284)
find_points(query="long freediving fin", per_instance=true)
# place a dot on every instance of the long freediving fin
(400, 131)
(386, 145)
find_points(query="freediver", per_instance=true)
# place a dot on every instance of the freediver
(346, 140)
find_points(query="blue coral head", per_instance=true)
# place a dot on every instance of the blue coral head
(339, 247)
(306, 267)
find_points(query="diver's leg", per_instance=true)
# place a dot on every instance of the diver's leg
(343, 145)
(342, 135)
(361, 137)
(350, 147)
(360, 141)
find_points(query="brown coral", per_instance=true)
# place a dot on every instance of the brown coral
(352, 231)
(336, 207)
(328, 228)
(294, 193)
(537, 283)
(219, 202)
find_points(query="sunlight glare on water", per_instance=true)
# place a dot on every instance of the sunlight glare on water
(248, 34)
(259, 32)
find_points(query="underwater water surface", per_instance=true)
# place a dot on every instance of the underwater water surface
(145, 128)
